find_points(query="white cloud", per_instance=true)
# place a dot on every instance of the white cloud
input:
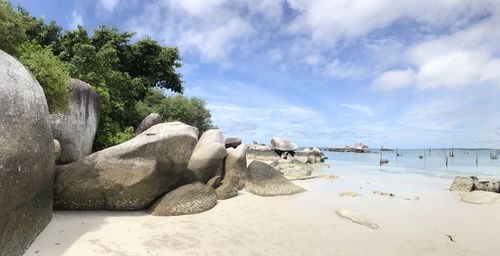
(109, 5)
(361, 108)
(394, 79)
(76, 19)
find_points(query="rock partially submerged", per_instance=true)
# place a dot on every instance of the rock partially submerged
(129, 176)
(311, 156)
(148, 121)
(187, 199)
(264, 180)
(26, 158)
(357, 218)
(75, 129)
(480, 197)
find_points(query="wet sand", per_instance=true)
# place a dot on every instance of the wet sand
(302, 224)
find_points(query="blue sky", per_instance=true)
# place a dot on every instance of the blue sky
(407, 74)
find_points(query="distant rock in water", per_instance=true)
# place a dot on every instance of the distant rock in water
(147, 122)
(263, 180)
(131, 175)
(26, 158)
(187, 199)
(75, 129)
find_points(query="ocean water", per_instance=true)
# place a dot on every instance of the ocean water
(433, 163)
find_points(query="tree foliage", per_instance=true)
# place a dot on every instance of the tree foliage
(191, 111)
(51, 73)
(123, 72)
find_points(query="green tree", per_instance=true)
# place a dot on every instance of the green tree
(51, 73)
(191, 111)
(12, 28)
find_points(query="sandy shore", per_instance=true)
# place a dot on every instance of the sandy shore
(303, 224)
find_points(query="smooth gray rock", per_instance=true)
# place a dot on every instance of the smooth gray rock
(233, 142)
(188, 199)
(262, 155)
(148, 121)
(235, 169)
(26, 158)
(310, 156)
(75, 129)
(208, 156)
(264, 180)
(293, 168)
(487, 185)
(132, 175)
(463, 183)
(215, 182)
(283, 145)
(57, 150)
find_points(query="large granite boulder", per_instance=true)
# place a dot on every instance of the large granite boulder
(26, 158)
(264, 180)
(488, 185)
(75, 129)
(187, 199)
(147, 122)
(129, 176)
(262, 155)
(208, 156)
(235, 169)
(232, 142)
(311, 156)
(283, 145)
(293, 168)
(464, 183)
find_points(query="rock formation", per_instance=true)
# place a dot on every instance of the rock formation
(26, 158)
(147, 122)
(75, 129)
(208, 156)
(235, 169)
(264, 180)
(129, 176)
(232, 142)
(187, 199)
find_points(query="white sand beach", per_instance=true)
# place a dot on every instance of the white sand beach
(301, 224)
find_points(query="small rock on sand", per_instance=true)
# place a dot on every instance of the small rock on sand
(330, 177)
(348, 194)
(356, 218)
(479, 197)
(380, 193)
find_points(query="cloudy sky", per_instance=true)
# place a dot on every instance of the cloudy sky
(407, 74)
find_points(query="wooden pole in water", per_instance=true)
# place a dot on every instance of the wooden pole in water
(476, 160)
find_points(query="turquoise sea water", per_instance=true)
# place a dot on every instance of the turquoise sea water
(433, 163)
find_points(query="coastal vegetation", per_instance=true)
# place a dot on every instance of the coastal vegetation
(128, 74)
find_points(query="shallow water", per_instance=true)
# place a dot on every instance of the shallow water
(433, 163)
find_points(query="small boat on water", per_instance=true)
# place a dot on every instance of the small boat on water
(495, 155)
(421, 157)
(384, 161)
